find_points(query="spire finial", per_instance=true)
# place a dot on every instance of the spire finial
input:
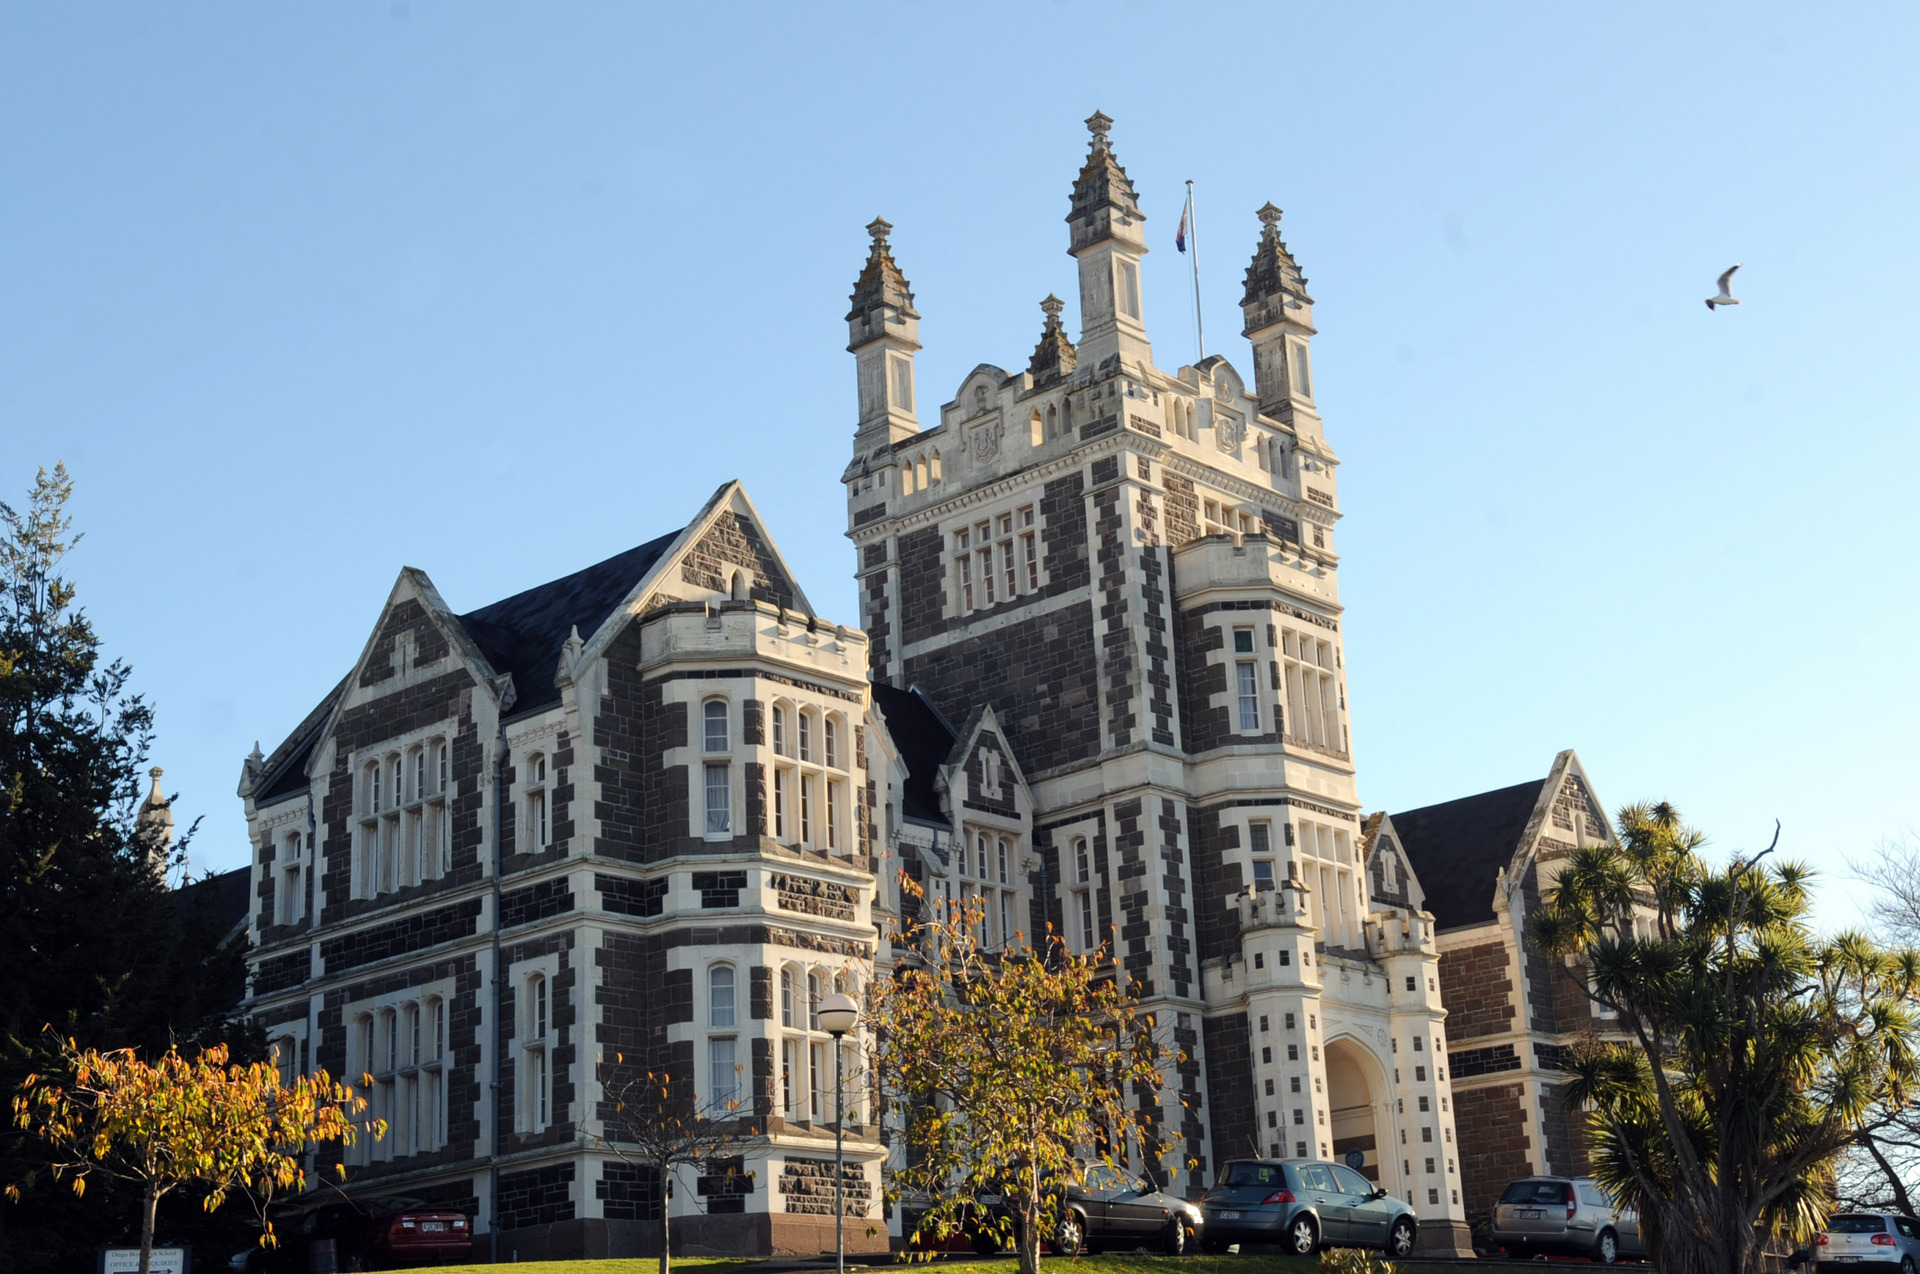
(1269, 215)
(1098, 123)
(879, 228)
(1052, 306)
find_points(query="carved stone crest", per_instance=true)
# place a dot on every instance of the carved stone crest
(1228, 430)
(985, 441)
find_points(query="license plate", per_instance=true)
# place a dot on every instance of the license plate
(1530, 1214)
(1229, 1216)
(433, 1227)
(1846, 1258)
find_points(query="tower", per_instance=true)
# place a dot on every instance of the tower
(1126, 577)
(1109, 238)
(883, 332)
(1279, 322)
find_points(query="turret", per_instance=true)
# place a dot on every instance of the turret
(883, 334)
(153, 825)
(1108, 238)
(1054, 358)
(1279, 317)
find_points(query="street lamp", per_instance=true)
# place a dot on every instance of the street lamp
(838, 1013)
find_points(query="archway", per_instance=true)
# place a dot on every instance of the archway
(1356, 1091)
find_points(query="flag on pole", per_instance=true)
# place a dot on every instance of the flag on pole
(1180, 236)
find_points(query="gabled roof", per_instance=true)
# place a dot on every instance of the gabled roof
(924, 739)
(518, 641)
(1458, 849)
(522, 634)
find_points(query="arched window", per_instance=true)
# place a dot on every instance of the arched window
(714, 735)
(720, 995)
(806, 735)
(813, 1001)
(936, 466)
(786, 997)
(920, 473)
(1036, 431)
(1053, 421)
(830, 737)
(536, 801)
(417, 764)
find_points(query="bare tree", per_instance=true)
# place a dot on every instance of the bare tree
(1886, 1154)
(658, 1123)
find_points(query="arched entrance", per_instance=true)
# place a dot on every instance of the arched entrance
(1356, 1092)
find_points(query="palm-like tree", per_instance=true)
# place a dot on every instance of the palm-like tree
(1758, 1048)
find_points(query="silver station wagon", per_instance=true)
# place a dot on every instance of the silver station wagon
(1568, 1215)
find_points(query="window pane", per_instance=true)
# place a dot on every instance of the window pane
(725, 1080)
(716, 720)
(720, 997)
(719, 802)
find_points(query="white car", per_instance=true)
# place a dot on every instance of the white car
(1882, 1240)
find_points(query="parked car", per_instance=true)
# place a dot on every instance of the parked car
(364, 1234)
(1109, 1207)
(1303, 1205)
(1853, 1239)
(1569, 1215)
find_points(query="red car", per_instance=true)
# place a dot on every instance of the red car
(365, 1234)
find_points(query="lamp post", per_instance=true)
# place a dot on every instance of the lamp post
(837, 1015)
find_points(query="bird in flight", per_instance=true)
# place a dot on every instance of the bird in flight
(1726, 296)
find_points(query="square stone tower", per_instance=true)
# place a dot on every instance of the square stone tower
(1133, 574)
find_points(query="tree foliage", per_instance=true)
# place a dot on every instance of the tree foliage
(660, 1124)
(1004, 1071)
(91, 941)
(1758, 1049)
(162, 1125)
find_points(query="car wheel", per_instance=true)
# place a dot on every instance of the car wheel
(1400, 1236)
(1303, 1236)
(1906, 1265)
(1176, 1240)
(1071, 1238)
(1607, 1250)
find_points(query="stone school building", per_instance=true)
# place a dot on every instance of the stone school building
(657, 807)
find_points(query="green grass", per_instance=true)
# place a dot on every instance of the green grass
(1104, 1264)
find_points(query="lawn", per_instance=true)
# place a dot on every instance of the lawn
(1106, 1264)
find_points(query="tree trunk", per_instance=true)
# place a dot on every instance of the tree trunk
(149, 1205)
(666, 1205)
(1706, 1238)
(1026, 1242)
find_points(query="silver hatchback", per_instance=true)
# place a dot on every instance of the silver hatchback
(1569, 1215)
(1882, 1240)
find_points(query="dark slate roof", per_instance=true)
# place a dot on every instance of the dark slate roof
(1457, 848)
(924, 739)
(523, 634)
(223, 901)
(286, 770)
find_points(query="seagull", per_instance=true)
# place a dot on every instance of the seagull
(1726, 296)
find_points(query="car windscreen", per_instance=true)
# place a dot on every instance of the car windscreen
(1253, 1174)
(1845, 1224)
(1535, 1192)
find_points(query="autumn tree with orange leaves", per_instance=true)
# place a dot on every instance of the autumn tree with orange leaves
(1006, 1071)
(171, 1123)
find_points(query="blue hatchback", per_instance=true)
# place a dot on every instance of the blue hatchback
(1303, 1205)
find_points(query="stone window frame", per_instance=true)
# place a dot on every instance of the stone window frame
(289, 889)
(996, 557)
(401, 802)
(986, 865)
(810, 759)
(534, 1049)
(407, 1088)
(722, 1035)
(1079, 897)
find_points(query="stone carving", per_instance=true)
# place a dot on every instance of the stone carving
(813, 897)
(986, 442)
(1228, 430)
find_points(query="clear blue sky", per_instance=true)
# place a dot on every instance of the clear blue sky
(305, 293)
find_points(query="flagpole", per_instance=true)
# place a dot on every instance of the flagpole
(1193, 230)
